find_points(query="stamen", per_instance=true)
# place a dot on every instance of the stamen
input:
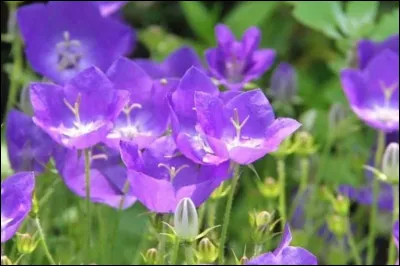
(177, 154)
(173, 172)
(68, 56)
(75, 109)
(235, 120)
(100, 156)
(127, 110)
(388, 90)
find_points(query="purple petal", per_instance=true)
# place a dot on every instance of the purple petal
(181, 60)
(264, 259)
(297, 256)
(261, 61)
(224, 35)
(153, 69)
(251, 40)
(108, 8)
(285, 241)
(280, 129)
(368, 49)
(396, 233)
(215, 64)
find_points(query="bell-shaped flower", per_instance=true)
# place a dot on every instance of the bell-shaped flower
(63, 38)
(145, 116)
(29, 147)
(16, 202)
(161, 176)
(367, 49)
(285, 254)
(234, 63)
(373, 92)
(81, 113)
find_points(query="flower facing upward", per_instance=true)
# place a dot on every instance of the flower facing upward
(373, 93)
(80, 114)
(161, 176)
(16, 202)
(209, 129)
(63, 38)
(367, 49)
(234, 63)
(285, 254)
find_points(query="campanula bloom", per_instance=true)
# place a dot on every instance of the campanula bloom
(161, 176)
(283, 85)
(108, 8)
(64, 38)
(81, 113)
(209, 129)
(108, 175)
(29, 147)
(16, 202)
(373, 92)
(285, 254)
(145, 117)
(368, 49)
(174, 66)
(234, 63)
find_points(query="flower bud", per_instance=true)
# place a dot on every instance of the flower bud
(206, 251)
(26, 244)
(186, 220)
(269, 189)
(221, 191)
(341, 205)
(151, 256)
(244, 260)
(304, 143)
(337, 225)
(260, 223)
(284, 83)
(307, 119)
(390, 162)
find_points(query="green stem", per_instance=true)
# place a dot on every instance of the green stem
(19, 259)
(102, 235)
(212, 210)
(161, 245)
(392, 247)
(88, 205)
(227, 215)
(189, 256)
(175, 252)
(141, 246)
(374, 210)
(202, 214)
(353, 246)
(44, 243)
(282, 187)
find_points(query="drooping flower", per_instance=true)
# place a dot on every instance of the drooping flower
(80, 114)
(211, 130)
(64, 38)
(285, 254)
(16, 202)
(108, 176)
(108, 8)
(396, 237)
(29, 147)
(283, 84)
(174, 66)
(161, 176)
(145, 117)
(368, 49)
(234, 63)
(373, 93)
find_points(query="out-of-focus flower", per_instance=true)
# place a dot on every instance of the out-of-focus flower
(80, 114)
(108, 8)
(161, 176)
(234, 63)
(174, 66)
(186, 220)
(367, 49)
(29, 147)
(390, 163)
(16, 202)
(373, 92)
(396, 236)
(210, 131)
(283, 85)
(64, 38)
(108, 176)
(285, 254)
(145, 117)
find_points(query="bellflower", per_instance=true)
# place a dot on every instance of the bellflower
(29, 147)
(373, 93)
(285, 254)
(368, 49)
(108, 175)
(80, 114)
(161, 176)
(145, 117)
(396, 236)
(283, 84)
(16, 202)
(108, 8)
(174, 66)
(234, 63)
(210, 130)
(64, 38)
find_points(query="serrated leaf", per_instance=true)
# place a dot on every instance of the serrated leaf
(387, 26)
(247, 14)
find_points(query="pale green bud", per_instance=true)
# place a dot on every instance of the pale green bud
(186, 221)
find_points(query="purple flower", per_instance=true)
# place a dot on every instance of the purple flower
(63, 38)
(174, 66)
(396, 236)
(108, 175)
(108, 8)
(161, 176)
(368, 49)
(145, 117)
(283, 84)
(211, 130)
(373, 93)
(80, 114)
(29, 148)
(234, 63)
(285, 254)
(16, 202)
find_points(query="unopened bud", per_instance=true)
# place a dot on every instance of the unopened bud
(270, 188)
(151, 256)
(304, 143)
(284, 82)
(186, 220)
(244, 260)
(260, 223)
(26, 244)
(341, 205)
(390, 163)
(5, 261)
(337, 225)
(206, 251)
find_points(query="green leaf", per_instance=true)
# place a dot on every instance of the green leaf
(200, 19)
(247, 14)
(361, 16)
(387, 25)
